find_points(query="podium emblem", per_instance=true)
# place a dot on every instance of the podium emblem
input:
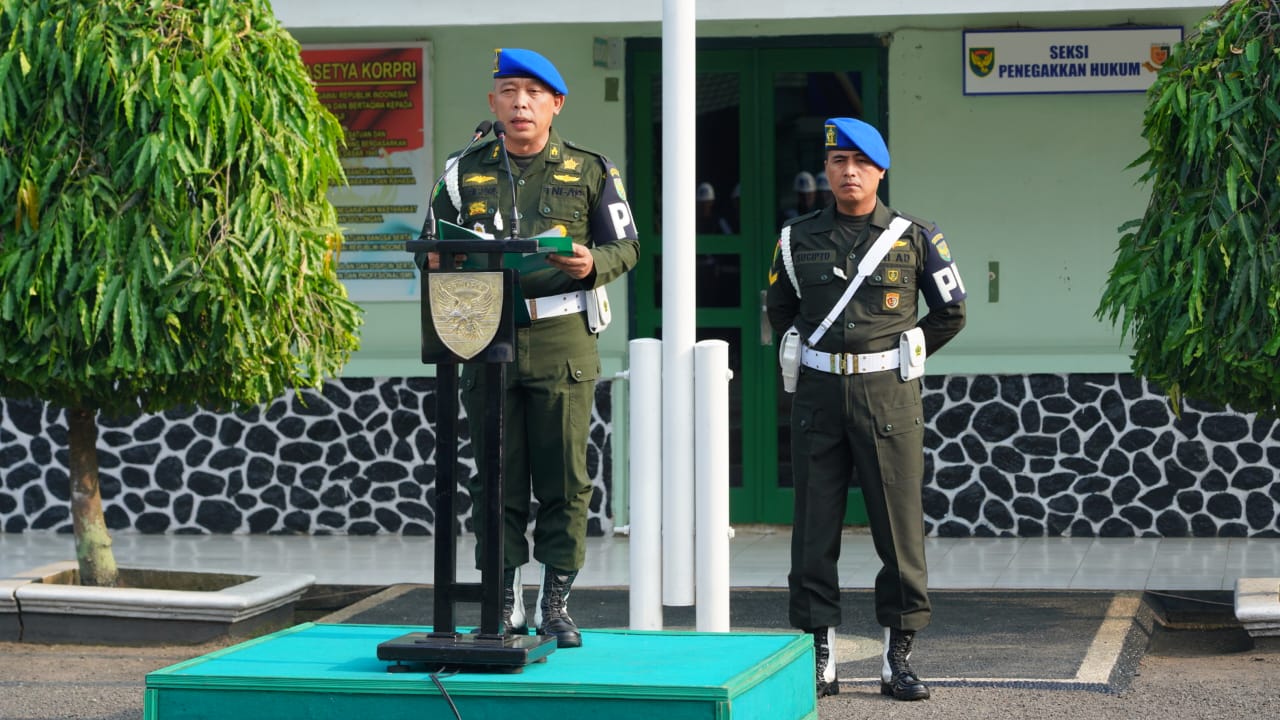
(466, 309)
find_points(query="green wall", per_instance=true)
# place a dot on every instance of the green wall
(1036, 183)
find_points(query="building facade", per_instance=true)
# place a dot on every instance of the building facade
(1036, 425)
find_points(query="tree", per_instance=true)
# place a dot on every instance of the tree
(1197, 279)
(165, 236)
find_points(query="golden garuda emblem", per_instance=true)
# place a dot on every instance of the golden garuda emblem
(466, 309)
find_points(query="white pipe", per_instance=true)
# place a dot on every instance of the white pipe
(645, 469)
(711, 380)
(679, 110)
(619, 499)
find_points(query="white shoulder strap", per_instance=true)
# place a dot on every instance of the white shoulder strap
(869, 262)
(451, 184)
(784, 245)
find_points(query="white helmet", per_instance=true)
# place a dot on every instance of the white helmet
(805, 182)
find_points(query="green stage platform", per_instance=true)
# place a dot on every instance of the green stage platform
(331, 672)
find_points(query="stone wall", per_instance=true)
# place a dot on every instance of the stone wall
(1093, 455)
(1010, 455)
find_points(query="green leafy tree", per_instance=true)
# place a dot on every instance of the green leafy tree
(1197, 279)
(165, 236)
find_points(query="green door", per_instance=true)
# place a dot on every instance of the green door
(761, 106)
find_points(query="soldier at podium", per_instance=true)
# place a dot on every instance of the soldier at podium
(559, 310)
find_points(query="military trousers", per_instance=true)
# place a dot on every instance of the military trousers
(866, 432)
(548, 400)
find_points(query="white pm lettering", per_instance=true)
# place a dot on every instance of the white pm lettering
(621, 215)
(947, 280)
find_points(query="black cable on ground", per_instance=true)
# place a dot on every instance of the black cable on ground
(435, 678)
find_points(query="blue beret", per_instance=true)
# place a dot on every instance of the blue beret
(851, 134)
(517, 62)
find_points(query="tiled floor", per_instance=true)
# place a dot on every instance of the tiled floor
(759, 557)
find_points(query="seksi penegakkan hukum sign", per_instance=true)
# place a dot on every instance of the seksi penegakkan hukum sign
(380, 94)
(1111, 60)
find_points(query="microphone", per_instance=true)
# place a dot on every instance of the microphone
(429, 225)
(500, 131)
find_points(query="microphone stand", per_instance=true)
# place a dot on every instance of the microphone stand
(426, 238)
(500, 130)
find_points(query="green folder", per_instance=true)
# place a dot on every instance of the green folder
(551, 241)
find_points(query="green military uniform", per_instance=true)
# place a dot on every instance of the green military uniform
(551, 385)
(865, 428)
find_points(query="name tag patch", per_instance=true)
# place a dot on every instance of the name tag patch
(813, 256)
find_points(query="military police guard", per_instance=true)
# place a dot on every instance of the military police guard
(854, 349)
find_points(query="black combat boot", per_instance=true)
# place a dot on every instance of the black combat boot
(897, 679)
(553, 607)
(514, 621)
(824, 656)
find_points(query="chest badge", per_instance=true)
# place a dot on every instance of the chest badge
(567, 178)
(894, 275)
(477, 208)
(571, 163)
(892, 300)
(479, 180)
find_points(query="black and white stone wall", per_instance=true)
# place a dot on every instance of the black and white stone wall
(1011, 455)
(357, 458)
(1093, 455)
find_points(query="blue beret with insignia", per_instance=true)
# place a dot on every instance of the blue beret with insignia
(851, 134)
(518, 62)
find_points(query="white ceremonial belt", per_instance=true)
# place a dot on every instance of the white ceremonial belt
(556, 305)
(849, 363)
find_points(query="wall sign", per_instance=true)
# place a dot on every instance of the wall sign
(1010, 62)
(381, 96)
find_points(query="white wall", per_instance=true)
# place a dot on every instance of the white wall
(1037, 183)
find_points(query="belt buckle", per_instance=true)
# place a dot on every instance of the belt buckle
(844, 363)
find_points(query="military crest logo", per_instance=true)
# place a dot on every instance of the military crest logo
(944, 252)
(466, 309)
(892, 300)
(982, 60)
(893, 275)
(1159, 54)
